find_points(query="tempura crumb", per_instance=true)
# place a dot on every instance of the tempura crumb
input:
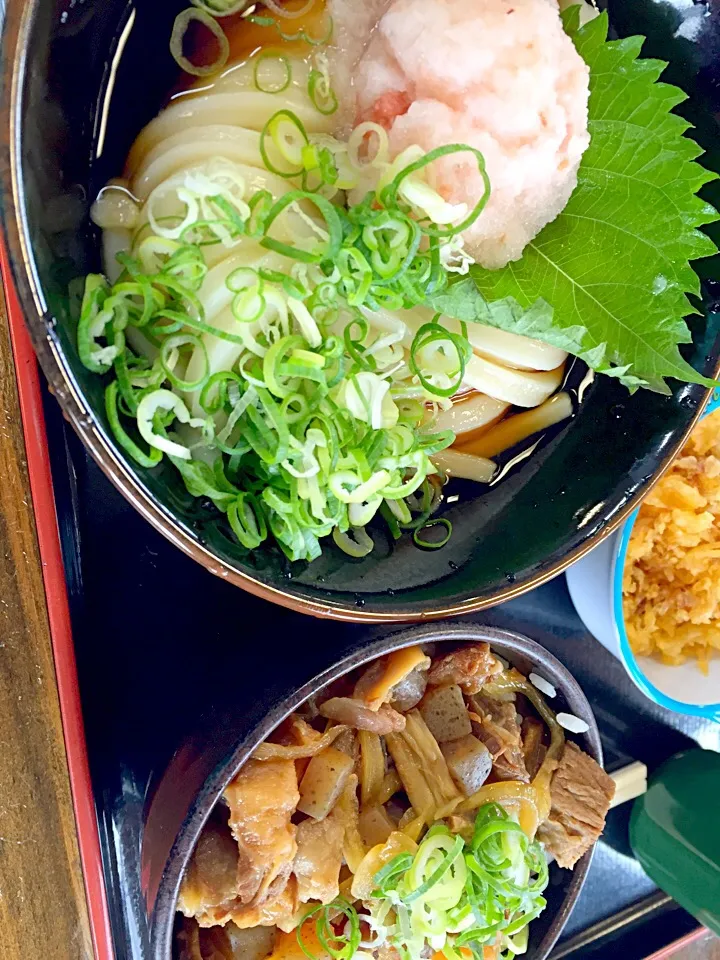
(671, 582)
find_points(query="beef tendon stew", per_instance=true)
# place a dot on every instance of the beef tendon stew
(410, 810)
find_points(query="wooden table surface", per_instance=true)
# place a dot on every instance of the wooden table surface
(43, 915)
(43, 912)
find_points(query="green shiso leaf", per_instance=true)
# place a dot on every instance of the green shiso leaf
(608, 280)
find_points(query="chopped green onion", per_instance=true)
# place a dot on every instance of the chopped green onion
(180, 27)
(320, 421)
(201, 480)
(275, 374)
(389, 193)
(321, 93)
(247, 521)
(301, 35)
(391, 872)
(331, 219)
(161, 401)
(291, 286)
(92, 324)
(443, 899)
(359, 544)
(356, 275)
(222, 381)
(287, 132)
(179, 320)
(169, 352)
(433, 544)
(434, 333)
(260, 205)
(150, 459)
(453, 857)
(357, 142)
(283, 83)
(339, 945)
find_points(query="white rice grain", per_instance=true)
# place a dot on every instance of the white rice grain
(572, 723)
(542, 685)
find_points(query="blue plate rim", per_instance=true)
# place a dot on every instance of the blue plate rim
(709, 711)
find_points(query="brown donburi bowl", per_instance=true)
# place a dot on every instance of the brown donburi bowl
(78, 82)
(197, 775)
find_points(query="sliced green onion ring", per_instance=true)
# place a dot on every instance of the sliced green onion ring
(301, 35)
(247, 521)
(321, 93)
(358, 141)
(169, 351)
(92, 324)
(292, 287)
(148, 460)
(433, 544)
(249, 302)
(355, 542)
(384, 878)
(389, 193)
(180, 27)
(260, 205)
(330, 217)
(287, 132)
(434, 332)
(221, 381)
(163, 401)
(284, 82)
(453, 856)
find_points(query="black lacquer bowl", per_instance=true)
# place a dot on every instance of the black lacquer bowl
(199, 772)
(79, 80)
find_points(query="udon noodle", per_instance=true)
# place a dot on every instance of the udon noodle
(270, 264)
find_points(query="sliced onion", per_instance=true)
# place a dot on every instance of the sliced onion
(182, 22)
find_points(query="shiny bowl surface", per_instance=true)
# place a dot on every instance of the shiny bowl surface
(199, 772)
(78, 82)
